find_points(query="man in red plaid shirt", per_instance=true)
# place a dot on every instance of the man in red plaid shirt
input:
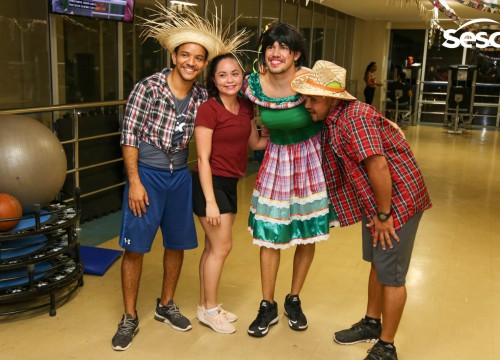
(373, 177)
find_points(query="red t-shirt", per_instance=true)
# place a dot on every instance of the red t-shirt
(229, 154)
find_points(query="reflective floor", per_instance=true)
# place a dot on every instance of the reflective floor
(452, 312)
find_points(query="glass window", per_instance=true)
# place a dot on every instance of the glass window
(349, 43)
(340, 40)
(305, 22)
(318, 33)
(487, 91)
(249, 20)
(87, 66)
(196, 5)
(404, 44)
(107, 70)
(439, 58)
(487, 61)
(224, 10)
(24, 59)
(141, 57)
(290, 12)
(270, 11)
(330, 35)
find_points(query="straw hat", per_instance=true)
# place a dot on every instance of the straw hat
(325, 79)
(171, 29)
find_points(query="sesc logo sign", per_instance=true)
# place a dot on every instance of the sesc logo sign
(469, 39)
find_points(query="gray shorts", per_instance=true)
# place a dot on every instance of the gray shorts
(392, 264)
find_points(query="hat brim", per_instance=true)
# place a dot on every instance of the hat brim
(300, 85)
(173, 38)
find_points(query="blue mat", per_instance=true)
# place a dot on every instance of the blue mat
(96, 261)
(23, 246)
(17, 277)
(30, 222)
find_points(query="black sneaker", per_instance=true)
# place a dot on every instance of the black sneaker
(267, 316)
(382, 352)
(296, 318)
(127, 329)
(362, 331)
(171, 315)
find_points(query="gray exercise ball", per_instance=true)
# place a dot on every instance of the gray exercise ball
(32, 161)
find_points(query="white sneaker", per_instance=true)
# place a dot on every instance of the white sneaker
(217, 322)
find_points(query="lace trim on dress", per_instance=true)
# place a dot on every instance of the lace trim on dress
(293, 242)
(255, 94)
(293, 199)
(288, 221)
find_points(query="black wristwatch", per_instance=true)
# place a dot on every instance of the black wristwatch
(383, 216)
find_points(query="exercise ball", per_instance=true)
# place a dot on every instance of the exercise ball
(10, 208)
(32, 161)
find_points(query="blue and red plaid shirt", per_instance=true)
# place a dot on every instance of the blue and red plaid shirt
(150, 113)
(355, 131)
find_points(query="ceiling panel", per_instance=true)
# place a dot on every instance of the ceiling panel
(379, 10)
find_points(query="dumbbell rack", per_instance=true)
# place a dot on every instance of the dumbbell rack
(40, 265)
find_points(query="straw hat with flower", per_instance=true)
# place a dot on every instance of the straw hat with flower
(325, 79)
(172, 28)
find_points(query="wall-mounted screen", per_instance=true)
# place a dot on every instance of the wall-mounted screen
(120, 10)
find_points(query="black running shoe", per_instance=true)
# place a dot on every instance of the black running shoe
(362, 331)
(382, 352)
(267, 316)
(127, 329)
(171, 315)
(296, 318)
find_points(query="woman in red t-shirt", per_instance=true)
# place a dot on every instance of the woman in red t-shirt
(224, 127)
(371, 82)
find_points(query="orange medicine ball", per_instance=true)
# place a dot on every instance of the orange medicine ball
(10, 207)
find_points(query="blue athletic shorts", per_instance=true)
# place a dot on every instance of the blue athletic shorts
(170, 209)
(392, 264)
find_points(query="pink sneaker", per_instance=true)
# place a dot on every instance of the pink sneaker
(217, 322)
(229, 315)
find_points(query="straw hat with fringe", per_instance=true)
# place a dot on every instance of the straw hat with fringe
(171, 29)
(325, 79)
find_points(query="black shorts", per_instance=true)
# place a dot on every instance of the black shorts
(224, 191)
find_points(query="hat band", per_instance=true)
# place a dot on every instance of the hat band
(310, 82)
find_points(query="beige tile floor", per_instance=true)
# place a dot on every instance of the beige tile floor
(452, 312)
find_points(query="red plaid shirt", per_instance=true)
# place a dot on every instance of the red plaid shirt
(354, 132)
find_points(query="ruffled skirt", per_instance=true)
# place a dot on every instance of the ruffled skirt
(289, 202)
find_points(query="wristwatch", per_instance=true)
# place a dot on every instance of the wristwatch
(383, 216)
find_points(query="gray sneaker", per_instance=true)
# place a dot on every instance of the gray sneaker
(127, 329)
(362, 331)
(171, 315)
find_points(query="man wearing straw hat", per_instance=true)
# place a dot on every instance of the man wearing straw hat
(372, 177)
(157, 128)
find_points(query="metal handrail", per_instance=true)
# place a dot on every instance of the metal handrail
(41, 109)
(91, 137)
